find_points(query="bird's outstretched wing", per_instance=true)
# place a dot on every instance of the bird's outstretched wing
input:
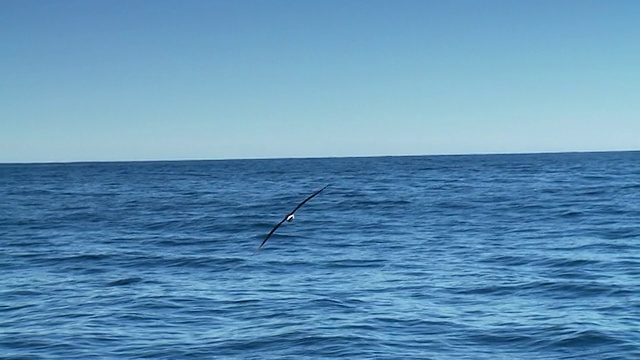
(287, 216)
(307, 199)
(271, 233)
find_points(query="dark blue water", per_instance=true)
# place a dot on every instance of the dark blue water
(445, 257)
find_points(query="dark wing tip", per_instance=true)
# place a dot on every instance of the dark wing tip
(269, 234)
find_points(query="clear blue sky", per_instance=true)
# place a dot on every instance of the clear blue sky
(144, 80)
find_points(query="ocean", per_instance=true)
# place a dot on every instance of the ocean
(528, 256)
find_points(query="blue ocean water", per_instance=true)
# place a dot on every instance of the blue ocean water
(433, 257)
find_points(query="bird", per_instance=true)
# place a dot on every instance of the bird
(290, 216)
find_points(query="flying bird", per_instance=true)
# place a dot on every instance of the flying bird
(289, 217)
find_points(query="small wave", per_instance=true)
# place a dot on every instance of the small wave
(589, 338)
(83, 257)
(329, 303)
(355, 263)
(369, 203)
(573, 289)
(9, 308)
(21, 292)
(125, 281)
(564, 263)
(507, 260)
(635, 186)
(570, 214)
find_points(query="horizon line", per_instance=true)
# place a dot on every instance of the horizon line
(550, 152)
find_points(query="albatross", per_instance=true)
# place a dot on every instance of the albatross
(289, 217)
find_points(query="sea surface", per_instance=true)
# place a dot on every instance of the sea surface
(430, 257)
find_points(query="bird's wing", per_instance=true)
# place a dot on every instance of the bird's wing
(307, 199)
(271, 232)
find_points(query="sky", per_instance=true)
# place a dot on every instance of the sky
(117, 80)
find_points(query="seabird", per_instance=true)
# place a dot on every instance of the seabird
(289, 217)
